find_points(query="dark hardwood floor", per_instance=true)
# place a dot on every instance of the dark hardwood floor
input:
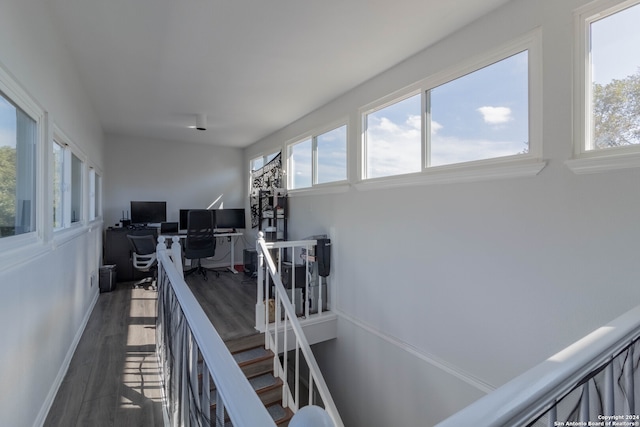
(113, 378)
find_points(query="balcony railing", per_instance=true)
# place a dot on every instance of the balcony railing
(283, 331)
(192, 355)
(593, 382)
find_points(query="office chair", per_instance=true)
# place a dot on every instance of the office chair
(200, 242)
(144, 257)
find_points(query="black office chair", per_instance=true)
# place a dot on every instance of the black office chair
(144, 257)
(200, 242)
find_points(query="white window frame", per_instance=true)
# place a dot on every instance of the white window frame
(290, 168)
(95, 194)
(266, 158)
(316, 188)
(381, 104)
(593, 161)
(528, 164)
(63, 179)
(69, 150)
(19, 247)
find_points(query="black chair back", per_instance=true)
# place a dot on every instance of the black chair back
(200, 241)
(142, 245)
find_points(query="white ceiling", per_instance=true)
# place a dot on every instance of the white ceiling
(252, 66)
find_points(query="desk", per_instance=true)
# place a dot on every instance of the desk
(117, 251)
(230, 235)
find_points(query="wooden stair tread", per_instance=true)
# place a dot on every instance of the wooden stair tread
(252, 355)
(244, 343)
(257, 364)
(264, 382)
(281, 415)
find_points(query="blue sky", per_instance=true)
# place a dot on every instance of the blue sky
(615, 45)
(7, 123)
(480, 115)
(332, 158)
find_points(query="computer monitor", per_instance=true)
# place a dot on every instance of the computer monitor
(184, 217)
(168, 228)
(230, 219)
(148, 212)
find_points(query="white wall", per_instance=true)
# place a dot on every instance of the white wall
(46, 298)
(186, 176)
(447, 291)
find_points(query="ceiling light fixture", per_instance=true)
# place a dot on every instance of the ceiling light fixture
(201, 122)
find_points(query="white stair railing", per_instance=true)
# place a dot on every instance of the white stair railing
(191, 353)
(593, 382)
(282, 329)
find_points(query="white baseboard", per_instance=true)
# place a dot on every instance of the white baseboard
(48, 402)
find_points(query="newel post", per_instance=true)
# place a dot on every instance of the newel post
(161, 246)
(260, 303)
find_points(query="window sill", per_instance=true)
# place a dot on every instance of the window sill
(20, 250)
(603, 163)
(65, 235)
(319, 190)
(459, 174)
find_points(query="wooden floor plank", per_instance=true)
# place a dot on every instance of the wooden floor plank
(104, 385)
(113, 378)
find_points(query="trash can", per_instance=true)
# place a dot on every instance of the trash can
(107, 280)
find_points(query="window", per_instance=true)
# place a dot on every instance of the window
(300, 164)
(331, 152)
(58, 189)
(18, 155)
(393, 139)
(94, 194)
(68, 171)
(320, 159)
(613, 105)
(76, 188)
(482, 115)
(259, 162)
(485, 112)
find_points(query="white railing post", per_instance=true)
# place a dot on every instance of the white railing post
(307, 296)
(261, 323)
(161, 246)
(609, 408)
(290, 325)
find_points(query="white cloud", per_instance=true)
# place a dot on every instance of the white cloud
(414, 121)
(393, 148)
(495, 115)
(435, 127)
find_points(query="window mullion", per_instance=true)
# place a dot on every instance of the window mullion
(314, 161)
(426, 129)
(66, 188)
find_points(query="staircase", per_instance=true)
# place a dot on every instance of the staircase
(257, 364)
